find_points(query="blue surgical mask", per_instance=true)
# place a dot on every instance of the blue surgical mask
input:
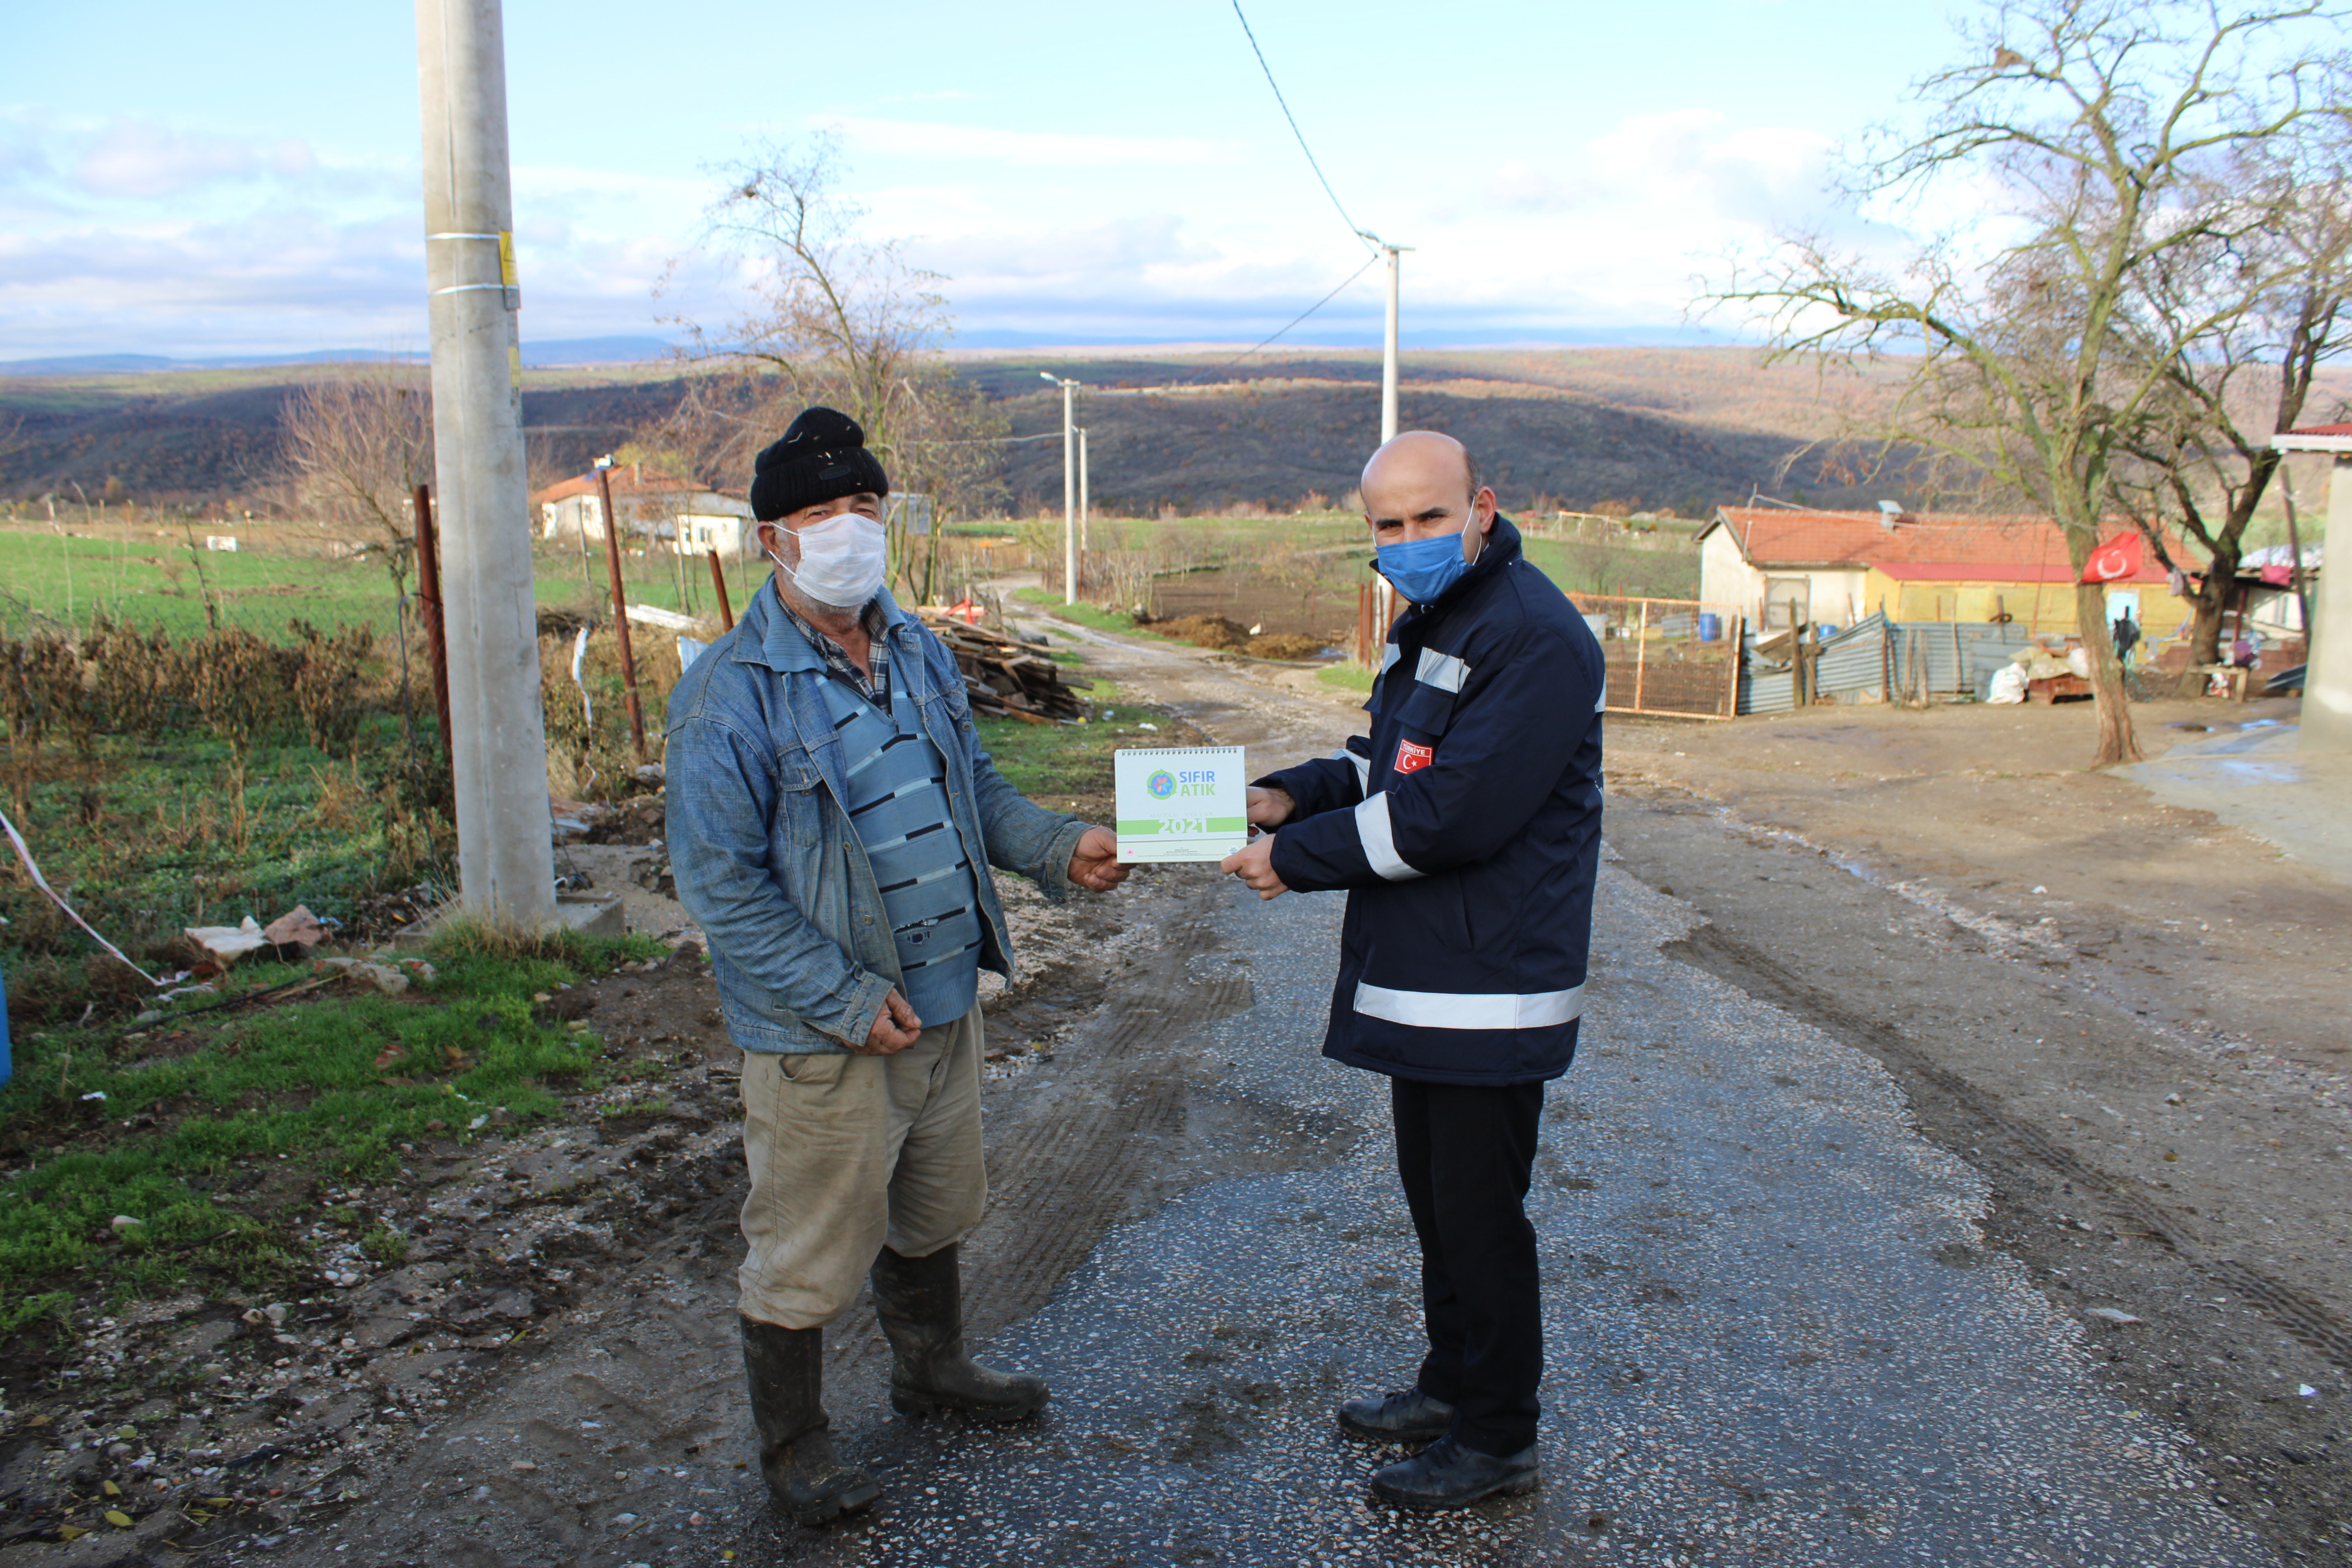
(1422, 569)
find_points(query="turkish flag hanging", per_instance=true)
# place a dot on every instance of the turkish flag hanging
(2115, 560)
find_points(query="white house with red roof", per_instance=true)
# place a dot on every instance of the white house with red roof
(1782, 566)
(691, 517)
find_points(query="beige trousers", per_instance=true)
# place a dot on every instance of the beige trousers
(850, 1152)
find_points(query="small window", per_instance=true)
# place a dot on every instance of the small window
(1788, 602)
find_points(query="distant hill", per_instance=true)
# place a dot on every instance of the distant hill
(1680, 429)
(551, 352)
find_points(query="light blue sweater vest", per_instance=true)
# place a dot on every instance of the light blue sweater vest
(898, 807)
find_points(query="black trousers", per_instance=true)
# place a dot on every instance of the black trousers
(1465, 1154)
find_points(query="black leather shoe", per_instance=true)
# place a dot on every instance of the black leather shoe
(1448, 1474)
(785, 1367)
(1412, 1417)
(920, 1303)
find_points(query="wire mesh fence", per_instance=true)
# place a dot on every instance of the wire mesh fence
(1676, 657)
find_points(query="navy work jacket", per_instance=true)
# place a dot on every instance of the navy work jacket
(1467, 831)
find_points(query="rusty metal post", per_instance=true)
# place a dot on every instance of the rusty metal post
(718, 581)
(1738, 659)
(1641, 655)
(621, 613)
(430, 611)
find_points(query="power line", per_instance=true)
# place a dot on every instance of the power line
(1303, 147)
(1302, 315)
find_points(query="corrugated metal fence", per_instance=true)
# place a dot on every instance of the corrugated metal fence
(1878, 662)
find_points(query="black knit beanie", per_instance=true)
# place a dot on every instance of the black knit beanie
(822, 456)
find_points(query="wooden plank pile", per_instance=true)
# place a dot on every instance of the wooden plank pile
(1004, 675)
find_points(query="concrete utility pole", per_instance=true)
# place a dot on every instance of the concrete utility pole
(498, 743)
(1389, 350)
(2327, 636)
(1384, 595)
(1069, 487)
(1086, 513)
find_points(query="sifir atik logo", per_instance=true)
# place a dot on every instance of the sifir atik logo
(1412, 756)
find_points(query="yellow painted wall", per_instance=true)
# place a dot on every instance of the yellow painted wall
(2035, 606)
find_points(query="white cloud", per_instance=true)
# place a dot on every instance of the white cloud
(144, 160)
(1059, 149)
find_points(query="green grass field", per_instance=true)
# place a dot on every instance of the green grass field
(196, 1129)
(51, 580)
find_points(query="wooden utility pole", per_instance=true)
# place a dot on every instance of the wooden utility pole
(430, 609)
(621, 610)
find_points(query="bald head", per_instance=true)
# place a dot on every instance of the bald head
(1421, 485)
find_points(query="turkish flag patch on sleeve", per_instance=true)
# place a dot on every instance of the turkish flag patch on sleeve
(1413, 756)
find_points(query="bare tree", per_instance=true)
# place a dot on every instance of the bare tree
(831, 318)
(2092, 130)
(2202, 462)
(359, 440)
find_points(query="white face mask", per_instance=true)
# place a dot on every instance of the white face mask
(843, 561)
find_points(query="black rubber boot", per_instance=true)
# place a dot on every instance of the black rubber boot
(1412, 1417)
(786, 1367)
(920, 1303)
(1448, 1474)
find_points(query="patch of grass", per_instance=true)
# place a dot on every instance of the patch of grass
(386, 1246)
(1060, 766)
(1346, 676)
(1086, 615)
(1620, 571)
(148, 837)
(214, 1138)
(1067, 767)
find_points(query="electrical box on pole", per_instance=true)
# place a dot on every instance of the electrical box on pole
(498, 741)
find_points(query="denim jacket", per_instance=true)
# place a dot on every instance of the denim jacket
(766, 859)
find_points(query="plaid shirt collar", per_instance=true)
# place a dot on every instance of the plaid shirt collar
(874, 688)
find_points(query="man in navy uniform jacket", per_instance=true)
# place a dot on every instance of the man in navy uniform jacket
(1466, 831)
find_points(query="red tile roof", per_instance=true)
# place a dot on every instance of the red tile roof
(1924, 546)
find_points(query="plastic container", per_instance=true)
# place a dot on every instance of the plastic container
(1710, 626)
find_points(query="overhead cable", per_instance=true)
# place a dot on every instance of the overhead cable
(1352, 227)
(1294, 321)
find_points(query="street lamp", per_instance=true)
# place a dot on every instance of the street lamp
(1069, 487)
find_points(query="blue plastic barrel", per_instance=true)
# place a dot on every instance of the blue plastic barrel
(1710, 626)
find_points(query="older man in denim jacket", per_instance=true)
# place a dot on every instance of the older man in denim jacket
(832, 823)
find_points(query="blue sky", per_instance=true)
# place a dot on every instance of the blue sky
(190, 179)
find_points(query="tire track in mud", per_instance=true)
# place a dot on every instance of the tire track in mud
(1710, 948)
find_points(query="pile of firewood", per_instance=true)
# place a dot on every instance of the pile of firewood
(1005, 676)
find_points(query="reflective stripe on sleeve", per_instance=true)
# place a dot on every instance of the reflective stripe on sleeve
(1363, 766)
(1469, 1010)
(1600, 703)
(1379, 845)
(1442, 670)
(1389, 656)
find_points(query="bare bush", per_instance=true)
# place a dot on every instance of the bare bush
(835, 319)
(359, 440)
